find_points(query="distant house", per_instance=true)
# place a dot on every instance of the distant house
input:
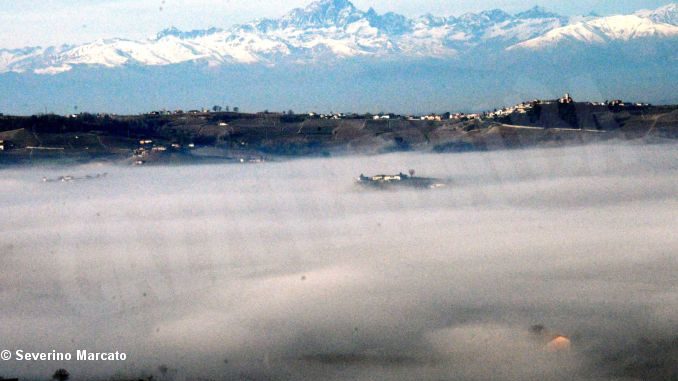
(558, 343)
(552, 342)
(567, 99)
(437, 118)
(145, 142)
(332, 116)
(388, 177)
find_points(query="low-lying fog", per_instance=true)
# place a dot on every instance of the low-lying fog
(288, 271)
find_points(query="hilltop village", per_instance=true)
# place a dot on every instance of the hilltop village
(521, 108)
(225, 134)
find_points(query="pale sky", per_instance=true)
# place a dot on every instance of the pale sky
(54, 22)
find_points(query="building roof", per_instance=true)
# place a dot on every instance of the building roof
(558, 343)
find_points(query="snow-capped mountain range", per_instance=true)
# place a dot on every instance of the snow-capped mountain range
(336, 30)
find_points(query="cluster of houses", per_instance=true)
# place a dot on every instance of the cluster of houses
(194, 112)
(429, 117)
(460, 116)
(329, 116)
(433, 118)
(383, 117)
(147, 147)
(254, 159)
(178, 112)
(69, 178)
(620, 103)
(526, 107)
(82, 114)
(520, 108)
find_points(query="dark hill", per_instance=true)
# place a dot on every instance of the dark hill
(236, 136)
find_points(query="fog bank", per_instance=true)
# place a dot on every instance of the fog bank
(289, 271)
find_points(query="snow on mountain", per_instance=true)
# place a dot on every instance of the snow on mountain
(324, 13)
(336, 29)
(450, 36)
(389, 23)
(667, 14)
(12, 60)
(601, 31)
(173, 31)
(522, 29)
(537, 13)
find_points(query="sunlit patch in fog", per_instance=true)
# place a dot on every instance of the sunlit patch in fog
(533, 264)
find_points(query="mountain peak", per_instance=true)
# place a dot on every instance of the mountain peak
(495, 15)
(176, 32)
(667, 14)
(492, 16)
(323, 13)
(537, 12)
(600, 32)
(330, 4)
(432, 20)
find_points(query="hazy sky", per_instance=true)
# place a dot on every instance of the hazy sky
(51, 22)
